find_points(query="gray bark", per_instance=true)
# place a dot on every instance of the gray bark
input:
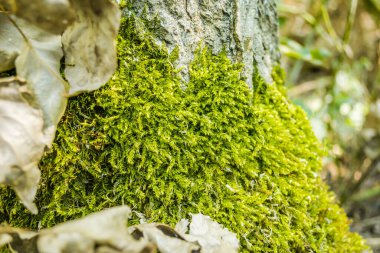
(247, 29)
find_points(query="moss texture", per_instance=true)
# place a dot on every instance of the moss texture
(247, 158)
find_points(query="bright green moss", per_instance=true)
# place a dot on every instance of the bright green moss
(246, 158)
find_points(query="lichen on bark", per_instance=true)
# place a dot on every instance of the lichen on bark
(245, 157)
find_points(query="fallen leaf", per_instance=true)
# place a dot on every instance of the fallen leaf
(11, 42)
(22, 140)
(30, 41)
(26, 131)
(90, 45)
(107, 232)
(165, 243)
(102, 232)
(50, 15)
(39, 63)
(212, 236)
(204, 236)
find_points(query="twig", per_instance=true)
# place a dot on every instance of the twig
(350, 21)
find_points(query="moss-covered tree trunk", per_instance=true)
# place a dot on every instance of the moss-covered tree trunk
(206, 141)
(246, 29)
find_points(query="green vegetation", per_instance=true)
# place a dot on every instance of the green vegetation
(331, 55)
(248, 159)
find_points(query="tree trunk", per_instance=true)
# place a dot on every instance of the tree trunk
(246, 158)
(247, 29)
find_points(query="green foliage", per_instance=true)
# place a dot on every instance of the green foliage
(338, 86)
(246, 158)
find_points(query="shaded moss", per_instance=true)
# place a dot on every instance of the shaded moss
(248, 159)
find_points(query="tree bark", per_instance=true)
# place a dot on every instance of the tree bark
(246, 29)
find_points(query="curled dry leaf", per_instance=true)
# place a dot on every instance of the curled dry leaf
(30, 41)
(39, 63)
(205, 236)
(50, 15)
(22, 140)
(89, 44)
(107, 228)
(167, 241)
(36, 55)
(212, 236)
(107, 232)
(101, 232)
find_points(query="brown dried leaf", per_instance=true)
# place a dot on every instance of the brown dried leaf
(22, 141)
(90, 46)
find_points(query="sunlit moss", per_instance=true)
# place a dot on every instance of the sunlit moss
(247, 158)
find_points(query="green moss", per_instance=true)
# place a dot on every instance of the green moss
(248, 159)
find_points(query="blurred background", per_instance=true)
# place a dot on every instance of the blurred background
(331, 54)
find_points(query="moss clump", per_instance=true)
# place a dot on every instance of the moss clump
(246, 158)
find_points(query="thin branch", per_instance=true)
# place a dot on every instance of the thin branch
(350, 21)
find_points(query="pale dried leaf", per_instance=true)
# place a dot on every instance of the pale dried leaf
(36, 55)
(26, 42)
(50, 15)
(205, 236)
(39, 64)
(108, 227)
(65, 242)
(101, 232)
(11, 43)
(209, 234)
(90, 45)
(5, 239)
(166, 242)
(182, 226)
(22, 141)
(107, 232)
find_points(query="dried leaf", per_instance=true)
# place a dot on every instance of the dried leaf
(22, 141)
(11, 43)
(101, 232)
(108, 226)
(36, 55)
(209, 234)
(89, 45)
(39, 64)
(50, 15)
(205, 236)
(165, 243)
(106, 232)
(26, 42)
